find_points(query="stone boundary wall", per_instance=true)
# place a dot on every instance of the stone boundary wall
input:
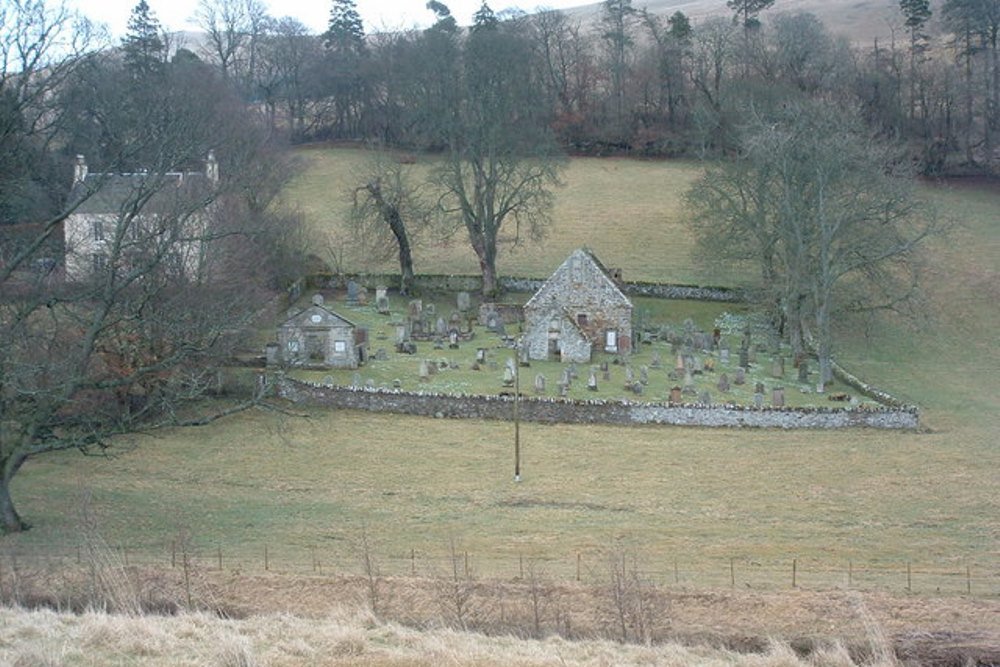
(560, 410)
(455, 283)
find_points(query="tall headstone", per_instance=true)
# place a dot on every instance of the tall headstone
(655, 362)
(592, 381)
(424, 371)
(689, 387)
(539, 384)
(382, 300)
(778, 397)
(440, 328)
(744, 357)
(643, 375)
(741, 376)
(414, 310)
(778, 367)
(804, 371)
(353, 288)
(723, 384)
(508, 376)
(463, 301)
(758, 399)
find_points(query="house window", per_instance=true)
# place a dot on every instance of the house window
(610, 341)
(339, 347)
(581, 319)
(98, 228)
(293, 348)
(554, 325)
(100, 262)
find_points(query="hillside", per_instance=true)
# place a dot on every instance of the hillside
(860, 21)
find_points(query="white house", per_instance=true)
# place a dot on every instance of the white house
(121, 218)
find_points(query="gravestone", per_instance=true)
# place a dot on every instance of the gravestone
(723, 384)
(438, 344)
(637, 389)
(679, 364)
(481, 355)
(566, 379)
(709, 364)
(463, 301)
(397, 384)
(804, 371)
(271, 354)
(453, 339)
(430, 310)
(414, 310)
(676, 395)
(356, 380)
(539, 384)
(440, 328)
(778, 397)
(741, 376)
(697, 365)
(606, 374)
(689, 387)
(402, 334)
(382, 300)
(563, 389)
(508, 376)
(363, 296)
(629, 376)
(643, 375)
(352, 292)
(592, 381)
(369, 383)
(758, 400)
(778, 367)
(655, 362)
(705, 398)
(317, 299)
(424, 371)
(494, 323)
(744, 358)
(573, 373)
(380, 354)
(724, 356)
(716, 338)
(759, 388)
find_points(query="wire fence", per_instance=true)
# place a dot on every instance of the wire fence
(590, 567)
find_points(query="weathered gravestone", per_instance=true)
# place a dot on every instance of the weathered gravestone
(741, 376)
(676, 395)
(463, 301)
(356, 380)
(353, 289)
(539, 384)
(453, 339)
(643, 375)
(317, 299)
(689, 387)
(508, 376)
(440, 328)
(758, 399)
(804, 371)
(723, 385)
(778, 367)
(744, 357)
(382, 300)
(759, 388)
(414, 310)
(655, 362)
(380, 354)
(724, 356)
(778, 397)
(592, 381)
(424, 371)
(705, 398)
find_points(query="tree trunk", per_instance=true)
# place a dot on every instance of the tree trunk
(12, 522)
(487, 263)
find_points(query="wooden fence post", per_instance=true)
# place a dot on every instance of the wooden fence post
(220, 557)
(850, 573)
(909, 578)
(413, 563)
(732, 573)
(267, 564)
(795, 567)
(578, 566)
(968, 580)
(520, 562)
(677, 577)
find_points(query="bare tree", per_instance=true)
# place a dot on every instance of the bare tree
(233, 28)
(389, 210)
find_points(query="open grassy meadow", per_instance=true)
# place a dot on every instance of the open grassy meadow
(309, 486)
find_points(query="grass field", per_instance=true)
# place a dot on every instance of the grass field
(698, 495)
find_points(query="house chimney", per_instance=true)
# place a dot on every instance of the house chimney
(212, 168)
(79, 170)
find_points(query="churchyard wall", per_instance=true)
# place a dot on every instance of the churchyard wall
(562, 410)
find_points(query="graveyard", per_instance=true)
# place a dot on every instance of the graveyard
(675, 351)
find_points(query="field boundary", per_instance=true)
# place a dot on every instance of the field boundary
(571, 411)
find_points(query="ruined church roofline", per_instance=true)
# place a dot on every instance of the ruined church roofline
(586, 252)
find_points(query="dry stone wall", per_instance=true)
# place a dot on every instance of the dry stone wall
(625, 413)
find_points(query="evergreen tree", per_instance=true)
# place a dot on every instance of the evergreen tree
(445, 21)
(747, 10)
(145, 51)
(345, 33)
(916, 14)
(680, 26)
(484, 19)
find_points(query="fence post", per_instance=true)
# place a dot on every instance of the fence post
(732, 573)
(466, 564)
(968, 579)
(795, 567)
(173, 553)
(578, 566)
(520, 562)
(267, 564)
(220, 557)
(677, 577)
(187, 580)
(850, 573)
(413, 562)
(909, 578)
(125, 555)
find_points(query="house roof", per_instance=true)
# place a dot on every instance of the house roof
(549, 291)
(327, 318)
(117, 193)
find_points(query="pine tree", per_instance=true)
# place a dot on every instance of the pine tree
(345, 33)
(143, 45)
(916, 14)
(484, 19)
(747, 10)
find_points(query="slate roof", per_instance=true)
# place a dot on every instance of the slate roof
(545, 291)
(327, 318)
(109, 193)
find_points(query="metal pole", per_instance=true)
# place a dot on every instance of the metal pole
(517, 412)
